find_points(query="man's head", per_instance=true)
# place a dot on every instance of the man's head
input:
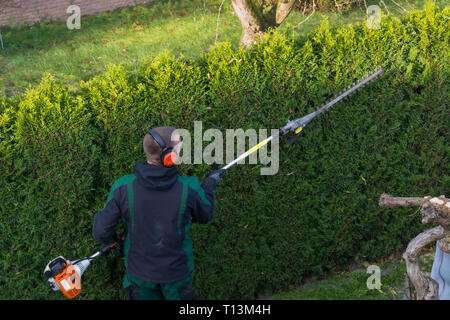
(152, 149)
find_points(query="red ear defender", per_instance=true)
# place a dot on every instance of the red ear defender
(170, 159)
(167, 156)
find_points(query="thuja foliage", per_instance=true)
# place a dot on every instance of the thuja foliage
(60, 152)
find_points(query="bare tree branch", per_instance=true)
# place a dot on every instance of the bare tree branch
(400, 6)
(385, 7)
(218, 17)
(314, 10)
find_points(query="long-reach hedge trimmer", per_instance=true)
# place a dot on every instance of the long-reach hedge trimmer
(65, 275)
(299, 124)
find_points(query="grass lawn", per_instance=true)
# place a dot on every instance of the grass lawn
(352, 284)
(130, 35)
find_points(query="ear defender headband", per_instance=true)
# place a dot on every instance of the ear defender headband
(168, 157)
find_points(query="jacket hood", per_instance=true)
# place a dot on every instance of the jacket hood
(155, 177)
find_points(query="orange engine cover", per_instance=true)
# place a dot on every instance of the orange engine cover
(69, 281)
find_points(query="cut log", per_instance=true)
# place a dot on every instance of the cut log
(390, 202)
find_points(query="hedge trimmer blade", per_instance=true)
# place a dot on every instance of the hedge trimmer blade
(297, 125)
(294, 125)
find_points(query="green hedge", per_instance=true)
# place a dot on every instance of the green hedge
(60, 153)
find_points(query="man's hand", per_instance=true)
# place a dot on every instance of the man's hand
(212, 179)
(217, 175)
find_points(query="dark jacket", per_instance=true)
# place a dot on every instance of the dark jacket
(157, 207)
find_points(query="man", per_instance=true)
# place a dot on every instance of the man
(157, 207)
(440, 271)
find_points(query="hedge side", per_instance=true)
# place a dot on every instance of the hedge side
(60, 154)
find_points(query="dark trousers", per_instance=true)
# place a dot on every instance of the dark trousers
(142, 290)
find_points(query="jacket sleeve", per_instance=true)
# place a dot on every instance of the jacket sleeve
(203, 203)
(105, 220)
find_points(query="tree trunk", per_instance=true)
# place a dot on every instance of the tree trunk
(283, 10)
(256, 18)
